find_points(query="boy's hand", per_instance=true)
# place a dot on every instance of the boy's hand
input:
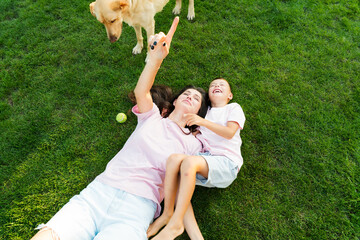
(193, 119)
(160, 43)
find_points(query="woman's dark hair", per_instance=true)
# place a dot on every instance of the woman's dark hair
(163, 98)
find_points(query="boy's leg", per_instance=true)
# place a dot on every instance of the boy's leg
(191, 226)
(189, 167)
(170, 189)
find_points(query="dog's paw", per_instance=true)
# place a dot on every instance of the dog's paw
(191, 16)
(137, 49)
(191, 13)
(176, 10)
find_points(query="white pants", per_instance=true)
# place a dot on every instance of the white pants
(103, 212)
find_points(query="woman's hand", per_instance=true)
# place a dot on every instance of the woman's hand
(160, 43)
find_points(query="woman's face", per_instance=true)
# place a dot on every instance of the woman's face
(189, 101)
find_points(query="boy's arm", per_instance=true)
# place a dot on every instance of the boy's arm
(227, 131)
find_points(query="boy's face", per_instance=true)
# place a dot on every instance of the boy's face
(219, 89)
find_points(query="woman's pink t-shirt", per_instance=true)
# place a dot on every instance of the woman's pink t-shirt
(139, 167)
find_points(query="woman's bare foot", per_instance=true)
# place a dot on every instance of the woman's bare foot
(170, 232)
(157, 225)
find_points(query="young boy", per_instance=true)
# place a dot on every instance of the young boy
(217, 166)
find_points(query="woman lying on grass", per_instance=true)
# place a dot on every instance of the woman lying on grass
(123, 200)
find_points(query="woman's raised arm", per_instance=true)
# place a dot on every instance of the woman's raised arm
(159, 49)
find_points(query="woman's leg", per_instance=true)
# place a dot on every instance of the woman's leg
(78, 218)
(189, 167)
(45, 234)
(170, 189)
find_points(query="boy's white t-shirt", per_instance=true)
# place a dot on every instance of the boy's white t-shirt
(139, 167)
(218, 145)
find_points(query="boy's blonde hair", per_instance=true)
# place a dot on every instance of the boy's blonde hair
(220, 78)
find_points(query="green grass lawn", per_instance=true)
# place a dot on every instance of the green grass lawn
(294, 67)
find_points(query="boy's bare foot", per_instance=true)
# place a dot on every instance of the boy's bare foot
(157, 225)
(169, 232)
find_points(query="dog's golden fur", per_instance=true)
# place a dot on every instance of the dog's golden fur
(137, 13)
(191, 9)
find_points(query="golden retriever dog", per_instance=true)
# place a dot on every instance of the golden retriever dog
(136, 13)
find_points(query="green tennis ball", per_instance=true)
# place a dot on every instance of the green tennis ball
(121, 117)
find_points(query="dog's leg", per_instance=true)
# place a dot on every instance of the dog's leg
(177, 7)
(139, 46)
(191, 10)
